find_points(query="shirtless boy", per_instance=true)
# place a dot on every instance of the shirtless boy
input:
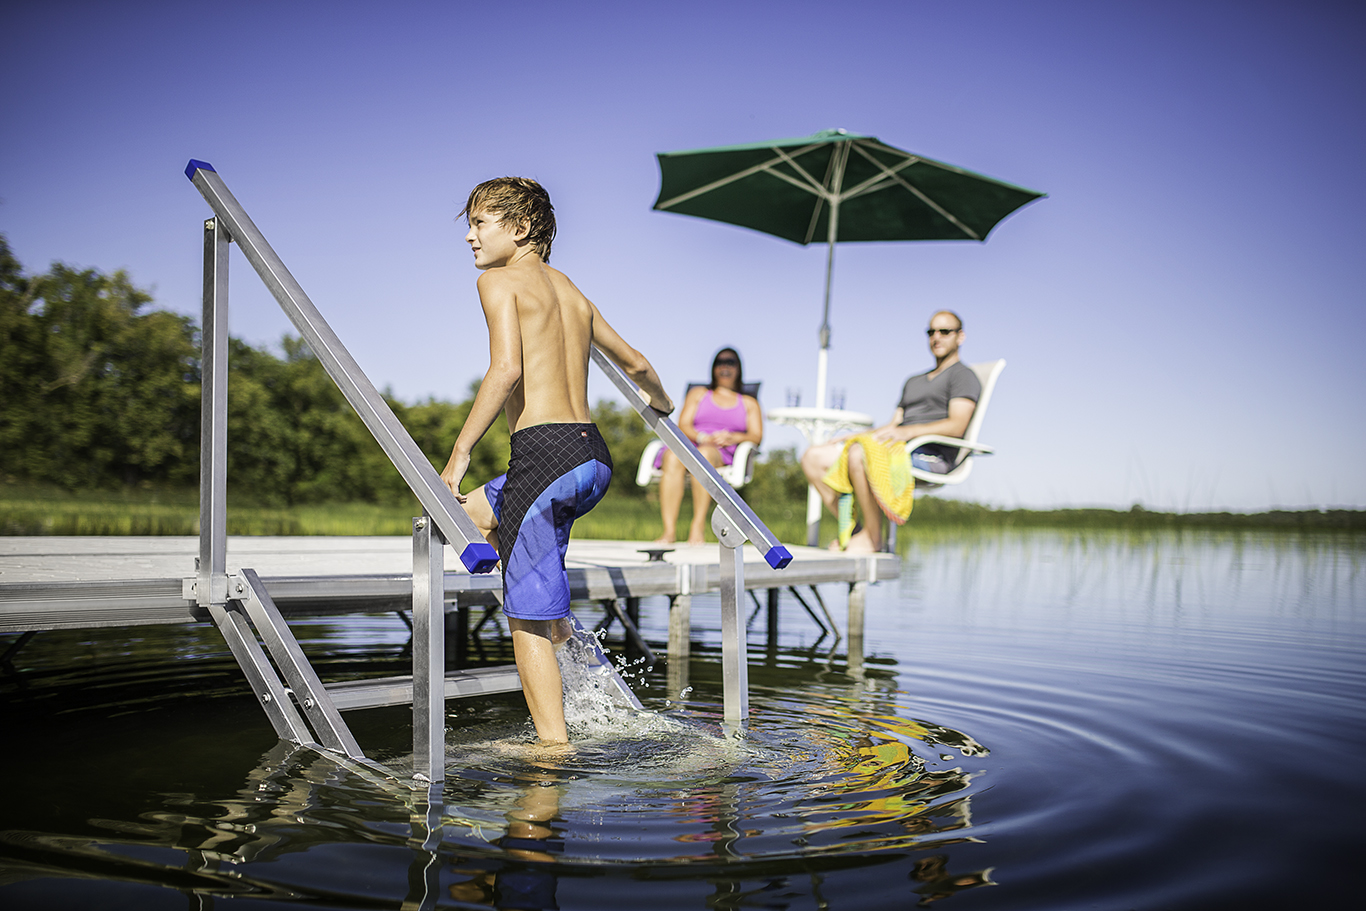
(540, 331)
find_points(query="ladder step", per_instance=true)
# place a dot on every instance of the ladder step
(368, 694)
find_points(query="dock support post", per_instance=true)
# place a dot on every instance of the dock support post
(458, 634)
(429, 651)
(680, 642)
(858, 597)
(634, 641)
(813, 516)
(772, 618)
(212, 585)
(734, 648)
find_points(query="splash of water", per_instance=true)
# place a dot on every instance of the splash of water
(593, 703)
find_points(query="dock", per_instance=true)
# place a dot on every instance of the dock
(90, 582)
(50, 583)
(250, 587)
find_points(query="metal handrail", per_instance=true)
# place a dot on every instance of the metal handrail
(436, 498)
(728, 500)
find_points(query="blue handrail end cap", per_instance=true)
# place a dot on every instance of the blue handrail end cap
(197, 165)
(479, 557)
(778, 557)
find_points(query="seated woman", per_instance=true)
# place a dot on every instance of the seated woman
(717, 418)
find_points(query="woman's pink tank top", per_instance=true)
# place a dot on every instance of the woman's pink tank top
(711, 417)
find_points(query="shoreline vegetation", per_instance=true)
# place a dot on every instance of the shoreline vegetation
(99, 435)
(28, 508)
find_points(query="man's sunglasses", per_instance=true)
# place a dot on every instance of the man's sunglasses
(933, 332)
(727, 362)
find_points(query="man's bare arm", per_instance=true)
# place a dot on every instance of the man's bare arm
(504, 373)
(955, 425)
(632, 362)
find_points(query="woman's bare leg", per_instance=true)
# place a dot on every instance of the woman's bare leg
(701, 500)
(670, 497)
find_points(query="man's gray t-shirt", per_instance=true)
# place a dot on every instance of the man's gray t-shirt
(924, 400)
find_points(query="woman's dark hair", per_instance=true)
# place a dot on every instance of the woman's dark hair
(739, 371)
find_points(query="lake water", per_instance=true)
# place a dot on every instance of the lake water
(1046, 720)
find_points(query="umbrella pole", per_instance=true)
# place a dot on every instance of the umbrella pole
(813, 499)
(819, 433)
(823, 359)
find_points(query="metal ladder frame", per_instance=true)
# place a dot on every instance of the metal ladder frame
(240, 605)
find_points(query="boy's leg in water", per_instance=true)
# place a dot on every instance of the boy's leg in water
(540, 673)
(556, 472)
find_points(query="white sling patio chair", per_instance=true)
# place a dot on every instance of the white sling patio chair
(738, 473)
(967, 446)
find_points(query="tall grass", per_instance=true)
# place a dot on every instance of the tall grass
(43, 510)
(28, 509)
(36, 510)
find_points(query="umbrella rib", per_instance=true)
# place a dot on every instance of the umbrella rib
(867, 186)
(814, 190)
(938, 208)
(895, 177)
(817, 187)
(815, 218)
(829, 197)
(739, 175)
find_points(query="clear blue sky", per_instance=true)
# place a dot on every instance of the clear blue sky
(1182, 316)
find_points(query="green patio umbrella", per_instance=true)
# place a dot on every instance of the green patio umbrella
(834, 186)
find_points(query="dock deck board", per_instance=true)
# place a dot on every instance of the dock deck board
(73, 582)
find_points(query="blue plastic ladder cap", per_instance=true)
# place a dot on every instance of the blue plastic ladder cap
(778, 557)
(197, 165)
(479, 557)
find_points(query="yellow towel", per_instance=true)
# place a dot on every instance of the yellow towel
(889, 475)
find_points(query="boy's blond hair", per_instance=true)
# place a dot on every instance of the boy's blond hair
(517, 201)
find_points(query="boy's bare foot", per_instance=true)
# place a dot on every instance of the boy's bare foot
(550, 751)
(666, 539)
(697, 537)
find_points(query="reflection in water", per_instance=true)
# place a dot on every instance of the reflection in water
(1059, 714)
(533, 837)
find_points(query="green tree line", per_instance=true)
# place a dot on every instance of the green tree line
(100, 390)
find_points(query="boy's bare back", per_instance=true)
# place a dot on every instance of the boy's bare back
(553, 332)
(541, 328)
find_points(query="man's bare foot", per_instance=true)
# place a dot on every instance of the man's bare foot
(666, 539)
(697, 537)
(863, 543)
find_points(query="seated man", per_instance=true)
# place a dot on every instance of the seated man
(939, 402)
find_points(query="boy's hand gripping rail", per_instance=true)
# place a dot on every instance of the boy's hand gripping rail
(728, 501)
(436, 498)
